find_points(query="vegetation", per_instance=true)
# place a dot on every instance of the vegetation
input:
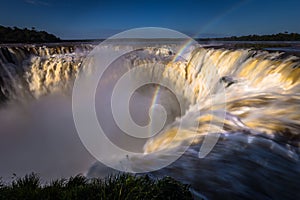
(119, 187)
(17, 35)
(274, 37)
(255, 46)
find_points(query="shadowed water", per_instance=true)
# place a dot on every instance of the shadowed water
(257, 154)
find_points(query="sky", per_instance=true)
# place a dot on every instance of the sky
(95, 19)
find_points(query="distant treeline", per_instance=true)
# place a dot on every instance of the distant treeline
(274, 37)
(25, 35)
(17, 35)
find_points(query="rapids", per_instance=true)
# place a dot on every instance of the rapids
(251, 99)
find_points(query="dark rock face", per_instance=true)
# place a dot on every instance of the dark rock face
(227, 80)
(2, 91)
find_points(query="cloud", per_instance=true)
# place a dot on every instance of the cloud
(38, 3)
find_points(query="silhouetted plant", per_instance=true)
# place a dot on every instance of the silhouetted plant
(116, 187)
(76, 181)
(31, 181)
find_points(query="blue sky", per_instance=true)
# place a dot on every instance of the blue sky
(90, 19)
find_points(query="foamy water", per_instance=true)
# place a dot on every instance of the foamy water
(255, 112)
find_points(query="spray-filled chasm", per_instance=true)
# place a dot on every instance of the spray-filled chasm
(256, 92)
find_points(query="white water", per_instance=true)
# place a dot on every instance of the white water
(260, 133)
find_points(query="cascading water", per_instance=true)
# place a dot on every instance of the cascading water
(37, 131)
(257, 154)
(36, 71)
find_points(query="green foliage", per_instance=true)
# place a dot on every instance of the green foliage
(118, 187)
(30, 181)
(17, 35)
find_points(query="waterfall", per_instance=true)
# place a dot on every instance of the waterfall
(33, 71)
(255, 109)
(261, 89)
